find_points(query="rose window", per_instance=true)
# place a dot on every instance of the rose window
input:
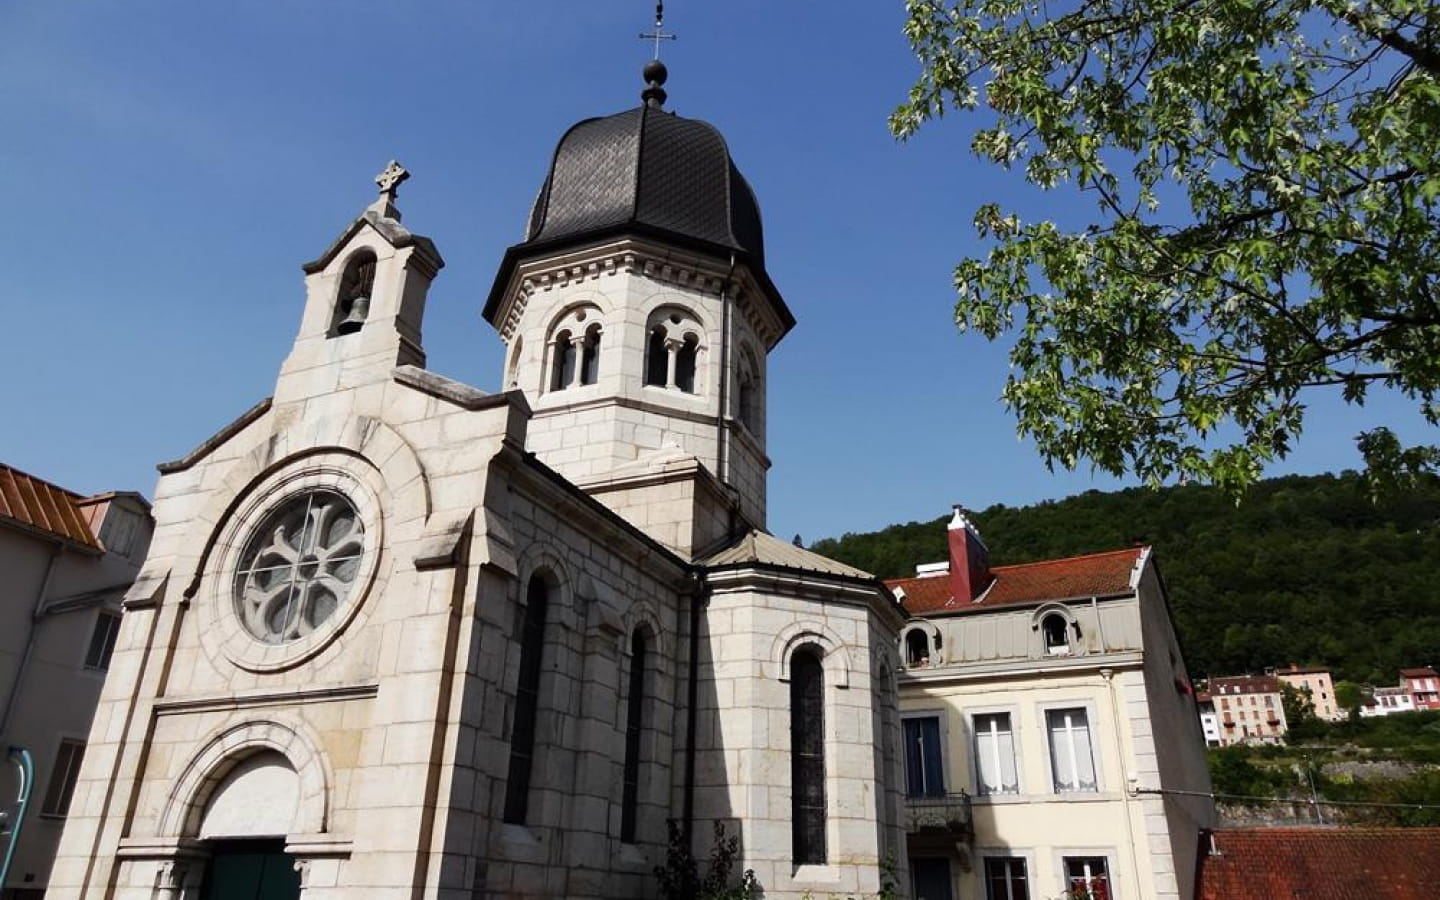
(299, 566)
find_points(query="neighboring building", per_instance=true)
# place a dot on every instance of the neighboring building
(1320, 863)
(401, 638)
(1387, 701)
(1209, 719)
(1318, 686)
(1423, 686)
(1249, 708)
(1043, 706)
(65, 563)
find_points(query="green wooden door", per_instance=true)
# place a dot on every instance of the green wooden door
(251, 870)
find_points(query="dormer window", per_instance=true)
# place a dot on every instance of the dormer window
(352, 304)
(1056, 631)
(920, 645)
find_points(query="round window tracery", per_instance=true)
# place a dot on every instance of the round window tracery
(299, 566)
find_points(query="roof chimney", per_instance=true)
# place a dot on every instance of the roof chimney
(969, 559)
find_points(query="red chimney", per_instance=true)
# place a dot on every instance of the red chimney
(969, 559)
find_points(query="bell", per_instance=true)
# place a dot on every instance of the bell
(359, 309)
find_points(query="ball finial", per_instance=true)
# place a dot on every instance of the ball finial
(655, 72)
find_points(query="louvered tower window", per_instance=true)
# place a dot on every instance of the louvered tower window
(634, 725)
(807, 757)
(527, 699)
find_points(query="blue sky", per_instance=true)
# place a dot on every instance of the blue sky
(166, 167)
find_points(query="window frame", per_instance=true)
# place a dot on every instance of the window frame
(972, 750)
(62, 793)
(637, 703)
(1097, 757)
(520, 766)
(943, 736)
(107, 652)
(986, 855)
(808, 855)
(1062, 854)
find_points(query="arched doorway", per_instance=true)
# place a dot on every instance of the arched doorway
(244, 824)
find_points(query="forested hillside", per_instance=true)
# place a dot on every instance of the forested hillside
(1305, 569)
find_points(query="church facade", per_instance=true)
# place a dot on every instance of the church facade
(399, 636)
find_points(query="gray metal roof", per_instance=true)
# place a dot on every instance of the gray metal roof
(760, 548)
(650, 169)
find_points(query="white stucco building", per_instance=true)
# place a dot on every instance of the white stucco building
(398, 637)
(1046, 713)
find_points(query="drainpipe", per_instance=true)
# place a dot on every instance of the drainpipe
(722, 436)
(1125, 798)
(26, 767)
(692, 689)
(35, 614)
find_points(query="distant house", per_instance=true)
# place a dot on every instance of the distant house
(1387, 701)
(1317, 684)
(1037, 702)
(1423, 686)
(1209, 719)
(65, 563)
(1249, 709)
(1320, 863)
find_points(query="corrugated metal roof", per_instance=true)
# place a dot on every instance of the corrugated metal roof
(1321, 864)
(1095, 575)
(38, 505)
(766, 549)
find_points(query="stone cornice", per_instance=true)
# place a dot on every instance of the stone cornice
(266, 697)
(990, 670)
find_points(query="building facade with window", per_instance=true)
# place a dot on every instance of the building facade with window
(65, 563)
(1249, 709)
(1044, 707)
(1316, 684)
(1423, 686)
(1387, 701)
(404, 638)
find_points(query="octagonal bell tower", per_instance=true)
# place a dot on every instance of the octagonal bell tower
(637, 316)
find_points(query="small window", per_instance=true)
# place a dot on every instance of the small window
(1057, 634)
(590, 356)
(657, 359)
(1087, 877)
(924, 771)
(917, 649)
(527, 702)
(634, 725)
(685, 360)
(995, 755)
(102, 641)
(63, 778)
(564, 364)
(1071, 755)
(1005, 878)
(807, 757)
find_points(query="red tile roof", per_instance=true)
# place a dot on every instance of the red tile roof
(1421, 672)
(1244, 684)
(1321, 864)
(1095, 575)
(37, 505)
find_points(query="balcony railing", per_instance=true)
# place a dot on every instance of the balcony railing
(940, 813)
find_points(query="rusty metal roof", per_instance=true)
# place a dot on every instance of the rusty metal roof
(36, 505)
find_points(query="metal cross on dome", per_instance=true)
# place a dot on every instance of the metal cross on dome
(390, 179)
(659, 33)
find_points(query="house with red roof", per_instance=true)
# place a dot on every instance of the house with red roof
(66, 561)
(1044, 708)
(1423, 686)
(1319, 864)
(1249, 709)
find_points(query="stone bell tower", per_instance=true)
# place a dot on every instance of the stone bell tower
(637, 316)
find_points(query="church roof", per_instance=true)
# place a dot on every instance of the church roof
(760, 548)
(37, 505)
(1096, 575)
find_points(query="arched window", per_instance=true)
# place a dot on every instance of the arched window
(748, 391)
(807, 757)
(657, 358)
(564, 362)
(590, 356)
(1056, 630)
(352, 304)
(747, 403)
(512, 379)
(685, 359)
(917, 649)
(634, 725)
(527, 701)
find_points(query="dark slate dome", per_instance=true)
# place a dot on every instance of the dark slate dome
(650, 171)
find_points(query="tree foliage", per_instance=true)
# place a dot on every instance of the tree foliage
(1307, 570)
(1265, 177)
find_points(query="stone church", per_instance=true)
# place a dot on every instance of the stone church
(399, 637)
